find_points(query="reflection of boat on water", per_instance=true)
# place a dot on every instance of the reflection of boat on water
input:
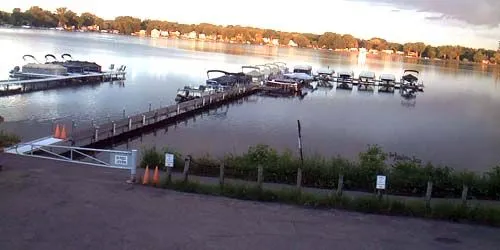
(409, 103)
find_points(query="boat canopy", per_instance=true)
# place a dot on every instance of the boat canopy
(299, 76)
(54, 59)
(410, 71)
(325, 71)
(388, 77)
(367, 74)
(303, 67)
(30, 56)
(251, 71)
(346, 74)
(63, 56)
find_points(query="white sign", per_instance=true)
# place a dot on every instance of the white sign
(381, 181)
(169, 160)
(121, 160)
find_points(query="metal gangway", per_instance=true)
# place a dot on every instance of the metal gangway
(125, 160)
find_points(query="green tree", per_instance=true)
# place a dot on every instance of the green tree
(479, 56)
(350, 41)
(61, 15)
(419, 48)
(395, 46)
(301, 40)
(4, 17)
(376, 43)
(87, 19)
(429, 52)
(127, 24)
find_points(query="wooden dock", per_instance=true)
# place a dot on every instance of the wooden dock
(43, 82)
(124, 127)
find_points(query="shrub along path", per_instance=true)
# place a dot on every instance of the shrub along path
(55, 205)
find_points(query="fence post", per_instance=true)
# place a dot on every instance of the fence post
(73, 126)
(143, 120)
(169, 174)
(465, 190)
(187, 161)
(221, 175)
(299, 178)
(340, 185)
(133, 167)
(260, 172)
(428, 194)
(129, 123)
(96, 134)
(114, 128)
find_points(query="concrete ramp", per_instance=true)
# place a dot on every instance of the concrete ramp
(27, 147)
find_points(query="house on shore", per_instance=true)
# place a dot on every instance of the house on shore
(291, 43)
(164, 33)
(155, 33)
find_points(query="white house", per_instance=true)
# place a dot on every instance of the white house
(155, 33)
(202, 36)
(388, 51)
(163, 33)
(275, 42)
(291, 43)
(192, 35)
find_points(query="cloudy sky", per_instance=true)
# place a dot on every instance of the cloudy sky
(474, 23)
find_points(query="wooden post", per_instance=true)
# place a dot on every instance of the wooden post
(169, 174)
(223, 95)
(465, 190)
(143, 120)
(178, 108)
(150, 107)
(260, 173)
(129, 123)
(73, 126)
(203, 101)
(428, 194)
(123, 113)
(187, 161)
(114, 128)
(96, 134)
(210, 100)
(340, 185)
(221, 175)
(299, 178)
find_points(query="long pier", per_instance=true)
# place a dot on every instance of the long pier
(43, 82)
(123, 127)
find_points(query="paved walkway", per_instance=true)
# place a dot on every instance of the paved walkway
(54, 205)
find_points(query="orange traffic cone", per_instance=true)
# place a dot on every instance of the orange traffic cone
(58, 132)
(156, 177)
(145, 178)
(63, 133)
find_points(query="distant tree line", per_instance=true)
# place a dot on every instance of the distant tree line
(62, 17)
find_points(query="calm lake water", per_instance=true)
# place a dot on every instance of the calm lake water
(456, 121)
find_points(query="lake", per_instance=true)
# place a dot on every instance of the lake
(455, 122)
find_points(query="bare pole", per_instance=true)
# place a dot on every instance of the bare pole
(299, 170)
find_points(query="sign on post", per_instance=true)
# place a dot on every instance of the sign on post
(121, 160)
(169, 160)
(381, 179)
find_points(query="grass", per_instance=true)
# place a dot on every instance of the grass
(406, 176)
(8, 139)
(478, 214)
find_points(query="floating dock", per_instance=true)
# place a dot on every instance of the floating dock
(91, 135)
(39, 82)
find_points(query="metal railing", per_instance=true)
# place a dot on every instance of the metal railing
(89, 156)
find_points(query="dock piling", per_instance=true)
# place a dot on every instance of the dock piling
(129, 123)
(114, 128)
(144, 119)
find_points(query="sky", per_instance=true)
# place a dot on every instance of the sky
(472, 23)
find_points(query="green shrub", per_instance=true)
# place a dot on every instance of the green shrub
(8, 139)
